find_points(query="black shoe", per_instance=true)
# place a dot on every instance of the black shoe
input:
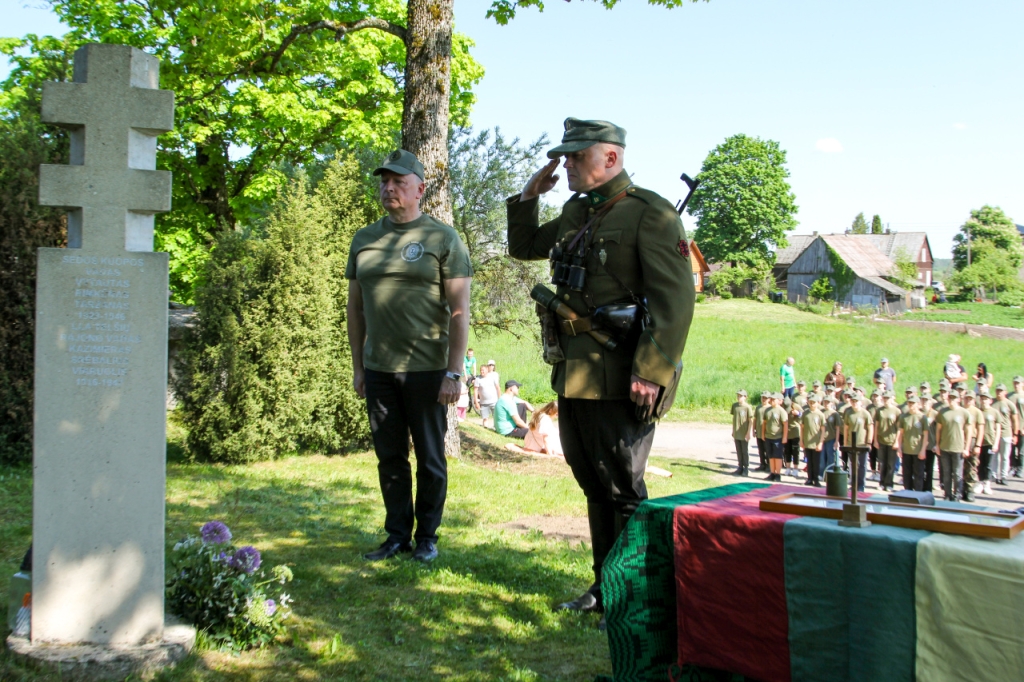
(1000, 481)
(968, 498)
(1016, 472)
(738, 472)
(387, 550)
(817, 484)
(808, 482)
(426, 551)
(761, 468)
(586, 602)
(746, 472)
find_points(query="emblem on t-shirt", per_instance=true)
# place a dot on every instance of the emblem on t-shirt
(412, 252)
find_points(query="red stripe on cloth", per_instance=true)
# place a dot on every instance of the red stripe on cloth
(731, 585)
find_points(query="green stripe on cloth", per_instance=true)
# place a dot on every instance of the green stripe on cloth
(970, 609)
(638, 587)
(850, 595)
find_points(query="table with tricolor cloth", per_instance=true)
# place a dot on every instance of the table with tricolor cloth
(706, 586)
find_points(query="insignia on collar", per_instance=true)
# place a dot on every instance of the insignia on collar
(684, 248)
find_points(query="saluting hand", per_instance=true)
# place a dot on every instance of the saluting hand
(542, 182)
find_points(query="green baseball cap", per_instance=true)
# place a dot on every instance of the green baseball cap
(401, 162)
(580, 134)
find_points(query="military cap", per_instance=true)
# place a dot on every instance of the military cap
(816, 384)
(801, 383)
(967, 396)
(766, 394)
(829, 387)
(1018, 379)
(741, 392)
(812, 398)
(913, 399)
(849, 379)
(787, 402)
(884, 360)
(829, 399)
(579, 135)
(925, 384)
(879, 392)
(776, 396)
(944, 385)
(983, 391)
(910, 389)
(888, 394)
(848, 394)
(401, 162)
(1000, 387)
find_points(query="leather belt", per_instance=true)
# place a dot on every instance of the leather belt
(580, 325)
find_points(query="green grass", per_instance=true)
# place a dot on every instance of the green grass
(741, 343)
(482, 611)
(971, 313)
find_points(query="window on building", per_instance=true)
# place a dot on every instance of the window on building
(924, 255)
(695, 280)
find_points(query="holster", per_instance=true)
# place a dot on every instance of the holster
(551, 349)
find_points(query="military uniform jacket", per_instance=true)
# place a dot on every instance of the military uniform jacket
(645, 247)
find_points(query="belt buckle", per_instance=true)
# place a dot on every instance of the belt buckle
(572, 328)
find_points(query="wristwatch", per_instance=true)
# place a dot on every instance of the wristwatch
(454, 376)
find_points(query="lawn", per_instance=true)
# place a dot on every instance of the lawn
(741, 343)
(971, 313)
(482, 611)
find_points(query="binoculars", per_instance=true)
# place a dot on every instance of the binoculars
(567, 269)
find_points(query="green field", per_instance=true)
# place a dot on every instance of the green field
(481, 612)
(741, 343)
(971, 313)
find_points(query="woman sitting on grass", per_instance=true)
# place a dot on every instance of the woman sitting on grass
(543, 434)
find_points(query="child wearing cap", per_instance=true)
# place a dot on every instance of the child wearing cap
(990, 438)
(912, 438)
(775, 433)
(762, 448)
(812, 438)
(742, 428)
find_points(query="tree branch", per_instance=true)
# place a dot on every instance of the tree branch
(339, 28)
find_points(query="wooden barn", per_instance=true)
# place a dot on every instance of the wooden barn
(869, 265)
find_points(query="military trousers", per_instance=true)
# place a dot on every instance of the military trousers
(400, 404)
(970, 474)
(887, 462)
(951, 465)
(762, 453)
(606, 448)
(813, 460)
(742, 453)
(913, 472)
(985, 463)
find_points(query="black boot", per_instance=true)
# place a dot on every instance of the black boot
(605, 526)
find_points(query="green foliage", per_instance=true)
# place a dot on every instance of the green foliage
(859, 226)
(24, 227)
(988, 224)
(485, 168)
(258, 87)
(729, 278)
(821, 289)
(267, 369)
(701, 297)
(876, 224)
(904, 268)
(504, 11)
(744, 204)
(843, 275)
(992, 268)
(1012, 298)
(222, 590)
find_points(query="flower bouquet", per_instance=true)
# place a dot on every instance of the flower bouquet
(223, 591)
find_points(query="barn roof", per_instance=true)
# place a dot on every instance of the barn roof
(860, 254)
(892, 242)
(797, 244)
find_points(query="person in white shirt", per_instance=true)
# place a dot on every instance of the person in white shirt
(543, 433)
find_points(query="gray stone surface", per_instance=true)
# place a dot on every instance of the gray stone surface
(104, 662)
(101, 362)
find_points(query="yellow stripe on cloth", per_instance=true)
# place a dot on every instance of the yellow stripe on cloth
(970, 609)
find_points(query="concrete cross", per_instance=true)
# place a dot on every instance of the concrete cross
(115, 113)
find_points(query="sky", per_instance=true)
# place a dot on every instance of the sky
(909, 109)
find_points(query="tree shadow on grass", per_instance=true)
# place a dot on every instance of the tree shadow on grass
(481, 611)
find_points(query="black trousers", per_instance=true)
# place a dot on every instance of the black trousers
(887, 462)
(929, 471)
(1015, 451)
(762, 452)
(741, 453)
(985, 463)
(792, 452)
(519, 431)
(401, 404)
(813, 458)
(873, 458)
(607, 449)
(913, 472)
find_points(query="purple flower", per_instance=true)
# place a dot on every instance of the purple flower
(271, 607)
(247, 559)
(215, 533)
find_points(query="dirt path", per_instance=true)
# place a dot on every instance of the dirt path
(961, 328)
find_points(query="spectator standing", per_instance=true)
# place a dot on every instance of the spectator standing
(463, 403)
(886, 374)
(543, 434)
(510, 412)
(982, 379)
(408, 324)
(495, 377)
(835, 377)
(787, 379)
(812, 437)
(952, 431)
(486, 395)
(469, 366)
(954, 372)
(912, 441)
(1009, 425)
(742, 428)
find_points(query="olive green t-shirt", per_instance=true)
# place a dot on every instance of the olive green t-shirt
(1017, 398)
(991, 417)
(914, 427)
(741, 417)
(774, 418)
(933, 420)
(859, 421)
(887, 423)
(833, 425)
(812, 428)
(759, 418)
(401, 270)
(952, 420)
(1005, 409)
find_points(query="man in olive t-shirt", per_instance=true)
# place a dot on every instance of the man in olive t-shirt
(408, 326)
(952, 432)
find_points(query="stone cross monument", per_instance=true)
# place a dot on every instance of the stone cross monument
(101, 361)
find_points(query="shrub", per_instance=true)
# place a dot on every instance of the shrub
(222, 590)
(1013, 298)
(701, 297)
(267, 369)
(725, 294)
(821, 289)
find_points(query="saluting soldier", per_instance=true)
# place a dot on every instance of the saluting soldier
(631, 248)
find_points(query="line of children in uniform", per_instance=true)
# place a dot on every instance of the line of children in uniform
(974, 439)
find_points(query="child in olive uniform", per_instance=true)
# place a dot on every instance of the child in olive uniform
(991, 432)
(858, 430)
(886, 419)
(762, 448)
(976, 429)
(812, 438)
(742, 428)
(775, 433)
(833, 427)
(792, 448)
(952, 431)
(912, 438)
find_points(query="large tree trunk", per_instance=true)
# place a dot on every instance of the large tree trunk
(428, 62)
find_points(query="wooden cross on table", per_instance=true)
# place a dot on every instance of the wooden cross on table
(115, 113)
